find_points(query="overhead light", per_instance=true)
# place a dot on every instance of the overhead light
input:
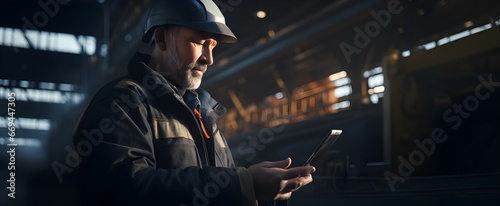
(261, 14)
(337, 75)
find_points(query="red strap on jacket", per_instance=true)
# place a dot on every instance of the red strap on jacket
(198, 114)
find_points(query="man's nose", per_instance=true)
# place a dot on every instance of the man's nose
(206, 56)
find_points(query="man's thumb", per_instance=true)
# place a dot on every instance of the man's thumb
(282, 163)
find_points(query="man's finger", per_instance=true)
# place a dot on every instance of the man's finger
(279, 164)
(284, 196)
(298, 172)
(294, 184)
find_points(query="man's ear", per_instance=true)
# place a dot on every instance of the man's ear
(160, 38)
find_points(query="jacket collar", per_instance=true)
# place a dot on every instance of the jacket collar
(157, 84)
(153, 81)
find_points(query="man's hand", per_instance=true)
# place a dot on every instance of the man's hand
(274, 181)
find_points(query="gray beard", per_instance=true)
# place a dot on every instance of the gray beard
(182, 75)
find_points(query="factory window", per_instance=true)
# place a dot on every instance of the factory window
(47, 41)
(448, 39)
(375, 80)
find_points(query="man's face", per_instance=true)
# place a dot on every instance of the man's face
(193, 54)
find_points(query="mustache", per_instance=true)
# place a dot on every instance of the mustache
(197, 66)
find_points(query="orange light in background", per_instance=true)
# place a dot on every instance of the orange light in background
(337, 75)
(468, 24)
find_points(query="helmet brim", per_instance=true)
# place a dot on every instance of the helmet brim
(222, 32)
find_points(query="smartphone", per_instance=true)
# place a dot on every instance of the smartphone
(327, 142)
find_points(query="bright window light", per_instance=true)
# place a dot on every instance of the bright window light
(342, 81)
(480, 28)
(377, 70)
(374, 98)
(343, 91)
(429, 46)
(279, 95)
(405, 53)
(66, 87)
(47, 41)
(376, 80)
(27, 123)
(47, 85)
(24, 84)
(366, 74)
(459, 35)
(443, 41)
(22, 141)
(44, 96)
(340, 105)
(18, 39)
(67, 43)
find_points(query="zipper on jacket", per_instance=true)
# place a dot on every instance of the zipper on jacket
(200, 125)
(198, 115)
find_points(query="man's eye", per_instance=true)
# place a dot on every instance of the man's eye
(198, 43)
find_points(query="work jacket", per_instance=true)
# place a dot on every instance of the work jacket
(150, 145)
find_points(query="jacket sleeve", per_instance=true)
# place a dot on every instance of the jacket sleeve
(120, 165)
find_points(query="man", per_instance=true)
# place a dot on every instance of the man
(157, 142)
